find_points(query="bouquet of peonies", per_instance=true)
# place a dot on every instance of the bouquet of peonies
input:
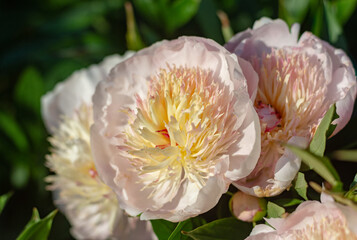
(188, 139)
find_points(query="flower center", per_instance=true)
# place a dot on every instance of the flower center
(71, 159)
(290, 102)
(182, 128)
(334, 228)
(165, 133)
(269, 118)
(291, 94)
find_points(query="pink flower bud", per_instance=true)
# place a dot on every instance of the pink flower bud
(248, 208)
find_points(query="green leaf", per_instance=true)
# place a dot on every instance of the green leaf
(180, 12)
(172, 231)
(320, 165)
(227, 31)
(181, 226)
(334, 27)
(10, 127)
(293, 11)
(208, 21)
(3, 200)
(346, 155)
(352, 193)
(36, 228)
(274, 210)
(300, 185)
(133, 39)
(163, 228)
(80, 15)
(29, 89)
(318, 19)
(288, 202)
(222, 229)
(169, 14)
(354, 182)
(198, 221)
(150, 10)
(35, 218)
(324, 130)
(344, 9)
(20, 174)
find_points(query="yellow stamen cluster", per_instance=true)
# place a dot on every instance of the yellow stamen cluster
(75, 176)
(180, 131)
(292, 85)
(330, 227)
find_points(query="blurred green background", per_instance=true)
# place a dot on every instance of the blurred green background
(43, 42)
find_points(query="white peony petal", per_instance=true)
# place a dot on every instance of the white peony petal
(163, 123)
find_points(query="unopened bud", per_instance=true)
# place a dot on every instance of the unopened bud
(248, 208)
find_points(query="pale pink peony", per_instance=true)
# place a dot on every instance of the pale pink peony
(248, 208)
(90, 206)
(173, 127)
(299, 80)
(312, 220)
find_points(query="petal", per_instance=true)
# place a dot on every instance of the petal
(274, 173)
(351, 216)
(244, 154)
(251, 76)
(289, 164)
(266, 34)
(68, 95)
(129, 81)
(261, 228)
(342, 88)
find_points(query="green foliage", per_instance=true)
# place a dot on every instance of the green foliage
(3, 200)
(170, 14)
(81, 15)
(317, 18)
(334, 27)
(208, 21)
(346, 155)
(293, 11)
(287, 202)
(337, 13)
(354, 182)
(320, 165)
(181, 226)
(352, 193)
(13, 131)
(180, 12)
(300, 185)
(222, 229)
(274, 210)
(133, 39)
(163, 228)
(324, 130)
(36, 228)
(313, 156)
(344, 9)
(226, 27)
(173, 231)
(20, 174)
(29, 89)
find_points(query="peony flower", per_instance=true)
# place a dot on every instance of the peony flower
(90, 206)
(312, 220)
(299, 80)
(173, 127)
(248, 208)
